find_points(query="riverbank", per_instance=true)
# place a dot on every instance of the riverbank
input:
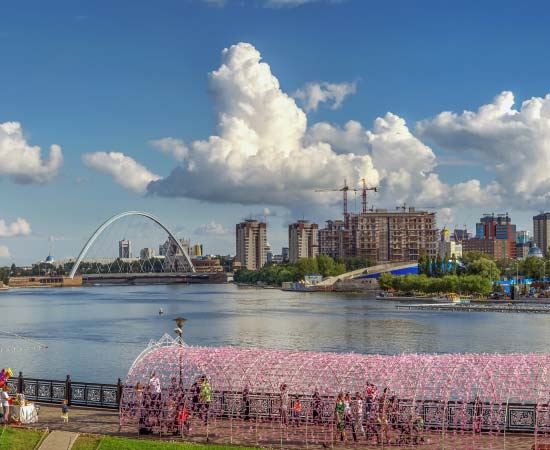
(487, 307)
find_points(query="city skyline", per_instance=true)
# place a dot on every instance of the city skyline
(129, 113)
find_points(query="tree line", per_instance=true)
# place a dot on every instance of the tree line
(274, 274)
(413, 284)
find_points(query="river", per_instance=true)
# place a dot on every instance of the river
(95, 333)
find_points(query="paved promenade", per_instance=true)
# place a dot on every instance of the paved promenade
(105, 422)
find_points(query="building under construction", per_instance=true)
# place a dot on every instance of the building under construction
(379, 234)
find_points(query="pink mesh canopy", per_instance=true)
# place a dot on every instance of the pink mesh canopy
(448, 391)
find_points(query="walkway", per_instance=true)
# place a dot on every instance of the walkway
(59, 440)
(105, 422)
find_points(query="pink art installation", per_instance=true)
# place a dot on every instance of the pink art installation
(274, 397)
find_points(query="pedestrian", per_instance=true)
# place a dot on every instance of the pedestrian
(65, 411)
(155, 393)
(348, 415)
(5, 400)
(283, 404)
(339, 416)
(317, 408)
(246, 403)
(297, 411)
(206, 397)
(358, 413)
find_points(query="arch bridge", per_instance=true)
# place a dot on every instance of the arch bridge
(187, 263)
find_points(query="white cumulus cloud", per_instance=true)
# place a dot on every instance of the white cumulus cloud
(4, 252)
(264, 153)
(211, 229)
(514, 142)
(23, 162)
(314, 93)
(20, 227)
(171, 146)
(258, 154)
(125, 170)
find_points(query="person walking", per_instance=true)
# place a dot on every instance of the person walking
(283, 406)
(359, 412)
(65, 411)
(206, 398)
(339, 416)
(5, 400)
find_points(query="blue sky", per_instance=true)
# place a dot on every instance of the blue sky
(108, 76)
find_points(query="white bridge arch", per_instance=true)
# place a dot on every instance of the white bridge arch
(113, 219)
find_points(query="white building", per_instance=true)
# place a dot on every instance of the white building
(251, 243)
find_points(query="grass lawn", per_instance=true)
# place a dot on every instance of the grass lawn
(19, 438)
(113, 443)
(22, 439)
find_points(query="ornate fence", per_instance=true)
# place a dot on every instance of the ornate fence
(76, 393)
(436, 415)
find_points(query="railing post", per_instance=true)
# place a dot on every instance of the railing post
(20, 383)
(68, 390)
(119, 391)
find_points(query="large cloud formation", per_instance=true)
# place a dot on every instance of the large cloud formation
(23, 162)
(258, 154)
(264, 152)
(515, 143)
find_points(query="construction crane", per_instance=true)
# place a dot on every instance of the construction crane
(364, 194)
(345, 189)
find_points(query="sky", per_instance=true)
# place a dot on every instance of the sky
(207, 112)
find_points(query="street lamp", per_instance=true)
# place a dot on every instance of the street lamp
(179, 331)
(179, 326)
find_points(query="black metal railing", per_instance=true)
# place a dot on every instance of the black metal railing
(436, 415)
(97, 395)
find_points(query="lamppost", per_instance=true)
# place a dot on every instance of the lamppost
(179, 331)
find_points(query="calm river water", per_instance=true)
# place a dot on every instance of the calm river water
(94, 333)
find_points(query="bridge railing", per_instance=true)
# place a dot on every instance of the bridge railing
(98, 395)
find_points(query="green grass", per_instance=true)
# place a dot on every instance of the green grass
(114, 443)
(22, 439)
(19, 438)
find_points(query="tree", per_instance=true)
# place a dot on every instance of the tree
(437, 270)
(484, 267)
(454, 268)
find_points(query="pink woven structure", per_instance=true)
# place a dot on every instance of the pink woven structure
(458, 392)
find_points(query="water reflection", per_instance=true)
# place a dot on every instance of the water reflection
(95, 333)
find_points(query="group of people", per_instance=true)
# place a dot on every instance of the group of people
(370, 415)
(172, 409)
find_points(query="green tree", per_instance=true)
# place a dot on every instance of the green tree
(484, 267)
(454, 269)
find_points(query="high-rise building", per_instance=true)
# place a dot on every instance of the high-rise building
(541, 231)
(303, 240)
(251, 243)
(381, 235)
(124, 249)
(334, 239)
(147, 253)
(495, 235)
(285, 254)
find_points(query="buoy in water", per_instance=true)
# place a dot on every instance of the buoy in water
(161, 312)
